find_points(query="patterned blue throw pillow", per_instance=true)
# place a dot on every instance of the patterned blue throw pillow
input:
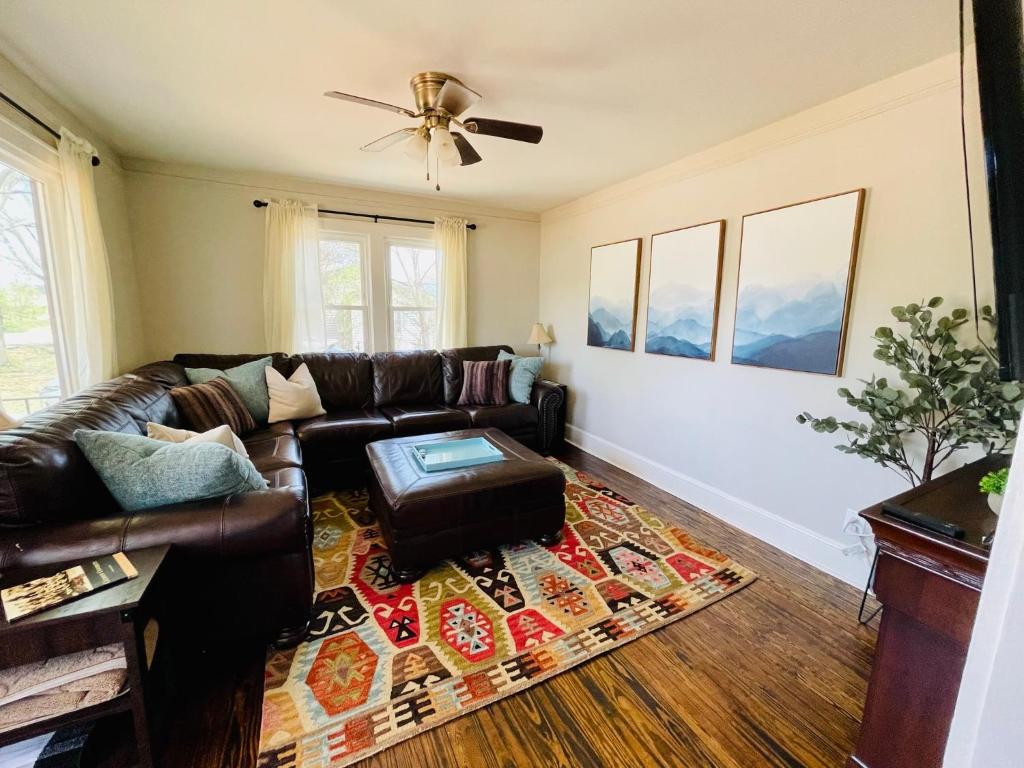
(248, 380)
(141, 472)
(525, 371)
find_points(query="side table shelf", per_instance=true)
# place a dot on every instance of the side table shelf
(117, 614)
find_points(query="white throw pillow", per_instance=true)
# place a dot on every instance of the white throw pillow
(293, 398)
(221, 434)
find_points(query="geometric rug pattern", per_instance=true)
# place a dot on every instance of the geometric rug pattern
(385, 661)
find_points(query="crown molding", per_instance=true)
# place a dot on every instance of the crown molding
(269, 184)
(892, 93)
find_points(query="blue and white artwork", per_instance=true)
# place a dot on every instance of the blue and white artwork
(682, 303)
(796, 264)
(611, 313)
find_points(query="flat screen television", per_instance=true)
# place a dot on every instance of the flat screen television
(1000, 55)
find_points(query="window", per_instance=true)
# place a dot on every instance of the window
(379, 285)
(343, 287)
(29, 370)
(412, 295)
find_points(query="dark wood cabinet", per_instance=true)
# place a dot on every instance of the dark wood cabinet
(929, 586)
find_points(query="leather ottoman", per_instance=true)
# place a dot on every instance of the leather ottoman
(428, 516)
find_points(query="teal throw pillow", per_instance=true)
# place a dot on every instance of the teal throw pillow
(248, 380)
(141, 472)
(525, 371)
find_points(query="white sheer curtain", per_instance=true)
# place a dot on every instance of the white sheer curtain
(82, 279)
(453, 313)
(292, 303)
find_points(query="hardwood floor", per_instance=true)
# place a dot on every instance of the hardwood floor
(774, 675)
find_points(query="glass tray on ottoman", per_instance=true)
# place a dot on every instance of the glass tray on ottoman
(455, 454)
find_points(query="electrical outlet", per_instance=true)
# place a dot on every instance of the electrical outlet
(855, 525)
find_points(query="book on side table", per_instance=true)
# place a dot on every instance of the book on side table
(64, 586)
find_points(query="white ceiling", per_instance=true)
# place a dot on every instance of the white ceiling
(620, 86)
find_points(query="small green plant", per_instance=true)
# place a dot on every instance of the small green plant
(995, 481)
(949, 397)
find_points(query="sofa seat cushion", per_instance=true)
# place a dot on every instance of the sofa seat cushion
(285, 477)
(423, 419)
(342, 429)
(271, 432)
(511, 418)
(275, 452)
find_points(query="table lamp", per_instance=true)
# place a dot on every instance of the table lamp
(538, 336)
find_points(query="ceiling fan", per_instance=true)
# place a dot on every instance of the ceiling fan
(440, 100)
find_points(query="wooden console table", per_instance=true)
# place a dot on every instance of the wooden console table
(929, 586)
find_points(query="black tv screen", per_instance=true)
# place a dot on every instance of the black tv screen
(1000, 54)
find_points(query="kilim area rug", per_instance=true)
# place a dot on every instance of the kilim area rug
(384, 661)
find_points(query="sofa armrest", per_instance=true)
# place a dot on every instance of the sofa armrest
(549, 398)
(253, 524)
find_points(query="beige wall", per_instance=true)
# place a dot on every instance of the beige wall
(110, 195)
(724, 436)
(200, 255)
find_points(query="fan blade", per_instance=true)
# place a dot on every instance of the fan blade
(455, 98)
(388, 141)
(369, 103)
(466, 151)
(504, 129)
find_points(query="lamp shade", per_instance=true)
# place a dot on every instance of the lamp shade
(538, 335)
(445, 146)
(418, 144)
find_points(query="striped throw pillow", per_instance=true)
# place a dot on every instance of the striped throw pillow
(485, 383)
(211, 404)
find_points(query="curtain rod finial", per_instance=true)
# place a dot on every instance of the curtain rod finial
(259, 203)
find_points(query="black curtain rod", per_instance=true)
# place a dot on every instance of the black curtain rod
(375, 216)
(37, 121)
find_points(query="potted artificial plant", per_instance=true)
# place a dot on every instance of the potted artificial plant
(948, 397)
(994, 484)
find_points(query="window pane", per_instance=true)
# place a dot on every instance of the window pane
(413, 276)
(341, 272)
(28, 357)
(413, 329)
(345, 329)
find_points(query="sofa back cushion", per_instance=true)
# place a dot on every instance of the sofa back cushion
(45, 477)
(281, 362)
(407, 378)
(344, 380)
(451, 364)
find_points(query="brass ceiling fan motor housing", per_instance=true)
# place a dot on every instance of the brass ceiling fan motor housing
(425, 87)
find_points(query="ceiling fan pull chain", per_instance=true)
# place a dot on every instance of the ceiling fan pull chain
(437, 174)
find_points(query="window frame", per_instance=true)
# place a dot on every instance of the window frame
(39, 161)
(423, 244)
(344, 235)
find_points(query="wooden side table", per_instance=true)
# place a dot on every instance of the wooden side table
(929, 587)
(115, 615)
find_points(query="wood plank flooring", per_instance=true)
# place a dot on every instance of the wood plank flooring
(774, 675)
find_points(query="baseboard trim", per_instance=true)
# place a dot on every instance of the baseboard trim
(822, 552)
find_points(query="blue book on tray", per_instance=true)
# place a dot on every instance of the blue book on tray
(455, 454)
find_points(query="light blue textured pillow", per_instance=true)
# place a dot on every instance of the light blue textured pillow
(525, 371)
(141, 473)
(248, 380)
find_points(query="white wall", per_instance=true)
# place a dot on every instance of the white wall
(724, 436)
(110, 196)
(200, 254)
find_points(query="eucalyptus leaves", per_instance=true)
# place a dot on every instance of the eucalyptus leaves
(949, 397)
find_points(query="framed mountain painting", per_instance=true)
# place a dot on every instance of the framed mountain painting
(682, 297)
(795, 283)
(614, 278)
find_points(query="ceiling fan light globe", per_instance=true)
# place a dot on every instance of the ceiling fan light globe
(445, 147)
(417, 146)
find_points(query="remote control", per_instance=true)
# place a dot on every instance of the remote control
(921, 520)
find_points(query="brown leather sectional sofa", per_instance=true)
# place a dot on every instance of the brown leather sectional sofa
(244, 564)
